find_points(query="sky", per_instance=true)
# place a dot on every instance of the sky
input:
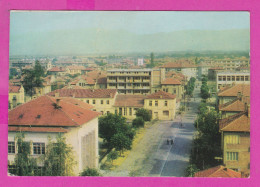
(24, 23)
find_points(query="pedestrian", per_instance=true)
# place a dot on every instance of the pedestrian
(167, 141)
(171, 141)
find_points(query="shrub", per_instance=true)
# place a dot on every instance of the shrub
(138, 122)
(90, 172)
(112, 156)
(145, 114)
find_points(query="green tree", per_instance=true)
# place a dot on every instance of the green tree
(33, 78)
(121, 142)
(112, 156)
(59, 158)
(191, 170)
(152, 60)
(138, 122)
(112, 124)
(13, 72)
(144, 113)
(24, 164)
(90, 172)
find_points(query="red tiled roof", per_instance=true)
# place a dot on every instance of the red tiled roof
(36, 129)
(237, 105)
(129, 101)
(57, 69)
(46, 111)
(218, 171)
(161, 95)
(233, 91)
(72, 87)
(14, 89)
(171, 81)
(85, 93)
(236, 123)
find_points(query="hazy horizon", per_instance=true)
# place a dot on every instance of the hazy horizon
(101, 32)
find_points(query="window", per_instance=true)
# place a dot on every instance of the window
(174, 91)
(220, 78)
(233, 78)
(166, 89)
(94, 102)
(130, 111)
(102, 112)
(87, 101)
(242, 78)
(232, 139)
(166, 113)
(150, 103)
(247, 78)
(237, 78)
(101, 102)
(38, 148)
(228, 78)
(165, 103)
(224, 78)
(11, 147)
(108, 102)
(232, 155)
(156, 103)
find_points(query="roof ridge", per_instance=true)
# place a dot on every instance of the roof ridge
(228, 103)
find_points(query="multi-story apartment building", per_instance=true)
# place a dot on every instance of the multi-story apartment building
(229, 78)
(130, 81)
(228, 64)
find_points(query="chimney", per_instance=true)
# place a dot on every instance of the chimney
(57, 94)
(239, 95)
(57, 101)
(248, 110)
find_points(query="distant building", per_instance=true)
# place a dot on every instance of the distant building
(47, 117)
(218, 172)
(56, 71)
(212, 73)
(15, 96)
(140, 61)
(229, 78)
(187, 68)
(173, 86)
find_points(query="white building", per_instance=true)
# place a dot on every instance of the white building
(140, 61)
(46, 117)
(229, 78)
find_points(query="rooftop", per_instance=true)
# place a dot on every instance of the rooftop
(161, 95)
(171, 81)
(218, 171)
(236, 123)
(14, 89)
(85, 93)
(46, 111)
(237, 105)
(127, 70)
(129, 100)
(232, 91)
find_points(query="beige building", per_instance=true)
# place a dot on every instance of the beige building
(102, 100)
(173, 86)
(15, 96)
(47, 117)
(235, 142)
(72, 70)
(161, 104)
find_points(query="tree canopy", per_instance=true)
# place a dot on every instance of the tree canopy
(143, 113)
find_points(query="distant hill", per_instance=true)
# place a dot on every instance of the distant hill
(87, 41)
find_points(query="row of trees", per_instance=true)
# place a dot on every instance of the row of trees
(190, 86)
(204, 90)
(206, 146)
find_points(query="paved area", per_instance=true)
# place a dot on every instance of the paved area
(153, 157)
